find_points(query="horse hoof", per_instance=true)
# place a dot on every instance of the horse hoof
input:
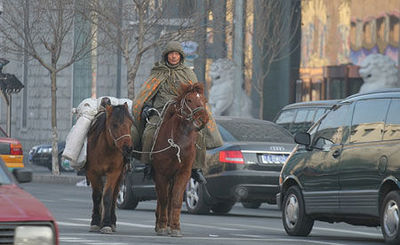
(176, 233)
(106, 230)
(162, 232)
(94, 228)
(114, 228)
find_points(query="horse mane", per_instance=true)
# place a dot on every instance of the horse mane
(187, 88)
(183, 90)
(99, 125)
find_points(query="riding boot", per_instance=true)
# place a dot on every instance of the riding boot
(148, 172)
(198, 176)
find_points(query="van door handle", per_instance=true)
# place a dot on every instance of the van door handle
(336, 153)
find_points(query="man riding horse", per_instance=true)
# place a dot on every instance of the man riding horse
(162, 87)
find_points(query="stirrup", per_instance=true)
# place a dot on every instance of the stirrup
(198, 176)
(136, 165)
(148, 172)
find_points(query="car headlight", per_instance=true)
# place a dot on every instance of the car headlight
(34, 235)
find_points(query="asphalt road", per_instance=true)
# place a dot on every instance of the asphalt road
(71, 205)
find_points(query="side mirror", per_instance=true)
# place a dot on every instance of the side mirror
(22, 175)
(303, 139)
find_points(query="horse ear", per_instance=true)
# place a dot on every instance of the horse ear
(108, 109)
(199, 87)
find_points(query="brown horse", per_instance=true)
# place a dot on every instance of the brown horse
(174, 153)
(109, 144)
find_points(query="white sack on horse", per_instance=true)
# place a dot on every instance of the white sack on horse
(75, 145)
(86, 112)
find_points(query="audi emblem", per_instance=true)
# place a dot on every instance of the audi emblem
(277, 148)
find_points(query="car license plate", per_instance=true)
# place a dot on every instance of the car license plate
(274, 158)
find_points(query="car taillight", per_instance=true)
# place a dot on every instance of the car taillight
(16, 149)
(231, 157)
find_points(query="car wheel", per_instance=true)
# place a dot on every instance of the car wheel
(390, 217)
(194, 198)
(294, 217)
(126, 198)
(222, 207)
(253, 205)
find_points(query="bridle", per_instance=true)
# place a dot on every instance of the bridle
(190, 116)
(115, 139)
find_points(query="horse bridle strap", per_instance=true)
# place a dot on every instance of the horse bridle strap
(189, 116)
(116, 139)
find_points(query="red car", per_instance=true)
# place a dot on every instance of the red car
(23, 218)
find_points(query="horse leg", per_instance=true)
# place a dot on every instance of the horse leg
(162, 203)
(157, 213)
(111, 183)
(113, 215)
(170, 189)
(177, 191)
(97, 192)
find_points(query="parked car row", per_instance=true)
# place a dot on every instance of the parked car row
(41, 155)
(246, 169)
(345, 167)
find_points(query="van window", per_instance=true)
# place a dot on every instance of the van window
(368, 120)
(303, 121)
(334, 127)
(301, 116)
(392, 126)
(319, 113)
(286, 118)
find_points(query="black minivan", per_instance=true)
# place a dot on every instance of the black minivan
(347, 168)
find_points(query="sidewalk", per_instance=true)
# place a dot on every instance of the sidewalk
(63, 178)
(43, 175)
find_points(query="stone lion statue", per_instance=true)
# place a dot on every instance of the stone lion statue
(378, 71)
(221, 97)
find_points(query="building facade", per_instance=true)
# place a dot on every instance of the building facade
(336, 38)
(222, 37)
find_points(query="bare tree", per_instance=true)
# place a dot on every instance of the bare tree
(276, 26)
(44, 29)
(134, 27)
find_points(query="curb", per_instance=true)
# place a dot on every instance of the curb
(56, 179)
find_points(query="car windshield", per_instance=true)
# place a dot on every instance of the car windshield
(263, 131)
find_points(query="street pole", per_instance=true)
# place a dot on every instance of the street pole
(119, 57)
(93, 54)
(237, 55)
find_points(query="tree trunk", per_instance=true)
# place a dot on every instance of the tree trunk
(261, 111)
(131, 85)
(132, 72)
(55, 168)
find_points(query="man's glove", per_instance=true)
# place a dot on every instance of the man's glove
(146, 112)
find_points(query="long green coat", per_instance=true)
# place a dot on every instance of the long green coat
(162, 85)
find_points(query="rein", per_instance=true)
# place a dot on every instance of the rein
(158, 124)
(171, 144)
(183, 114)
